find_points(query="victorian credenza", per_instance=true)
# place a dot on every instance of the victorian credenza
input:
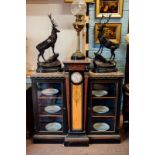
(77, 106)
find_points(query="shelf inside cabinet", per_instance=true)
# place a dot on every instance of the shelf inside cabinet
(101, 132)
(50, 97)
(105, 116)
(50, 101)
(51, 115)
(104, 97)
(54, 132)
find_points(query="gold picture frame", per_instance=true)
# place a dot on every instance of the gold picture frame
(112, 32)
(87, 1)
(107, 7)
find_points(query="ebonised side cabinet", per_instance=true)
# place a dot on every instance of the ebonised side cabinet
(49, 107)
(104, 105)
(100, 109)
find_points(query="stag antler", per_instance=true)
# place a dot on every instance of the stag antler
(52, 20)
(101, 18)
(107, 19)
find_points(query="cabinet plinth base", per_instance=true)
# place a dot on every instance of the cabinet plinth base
(104, 138)
(48, 138)
(76, 140)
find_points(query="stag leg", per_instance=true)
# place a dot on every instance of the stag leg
(53, 49)
(39, 57)
(43, 57)
(41, 53)
(112, 54)
(99, 49)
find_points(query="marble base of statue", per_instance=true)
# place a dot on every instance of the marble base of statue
(50, 65)
(102, 65)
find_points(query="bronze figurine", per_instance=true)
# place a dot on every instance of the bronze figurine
(52, 63)
(101, 64)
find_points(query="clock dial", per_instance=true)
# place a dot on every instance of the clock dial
(76, 77)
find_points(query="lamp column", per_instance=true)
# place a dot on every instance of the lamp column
(78, 9)
(78, 26)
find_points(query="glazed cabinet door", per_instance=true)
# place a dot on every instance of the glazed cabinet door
(49, 106)
(103, 106)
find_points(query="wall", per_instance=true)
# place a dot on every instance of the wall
(38, 28)
(121, 51)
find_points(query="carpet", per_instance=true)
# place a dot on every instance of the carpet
(93, 149)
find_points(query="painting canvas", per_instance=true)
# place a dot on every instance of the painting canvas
(112, 32)
(106, 7)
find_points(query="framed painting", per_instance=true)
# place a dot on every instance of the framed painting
(107, 7)
(112, 32)
(87, 1)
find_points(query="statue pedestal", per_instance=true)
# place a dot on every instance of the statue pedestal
(44, 67)
(102, 65)
(51, 65)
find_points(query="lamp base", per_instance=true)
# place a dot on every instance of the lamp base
(77, 56)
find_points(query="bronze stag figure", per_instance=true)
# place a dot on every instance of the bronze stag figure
(52, 64)
(104, 42)
(101, 64)
(49, 42)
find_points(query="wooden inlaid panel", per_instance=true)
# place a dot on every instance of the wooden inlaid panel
(77, 67)
(76, 107)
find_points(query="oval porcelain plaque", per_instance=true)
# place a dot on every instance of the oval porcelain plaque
(99, 93)
(100, 109)
(49, 91)
(52, 109)
(101, 126)
(52, 127)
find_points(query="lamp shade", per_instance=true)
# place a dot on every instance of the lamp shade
(78, 7)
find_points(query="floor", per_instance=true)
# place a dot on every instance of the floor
(93, 149)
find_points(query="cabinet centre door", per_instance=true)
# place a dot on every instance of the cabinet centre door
(77, 107)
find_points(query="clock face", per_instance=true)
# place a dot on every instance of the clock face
(76, 77)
